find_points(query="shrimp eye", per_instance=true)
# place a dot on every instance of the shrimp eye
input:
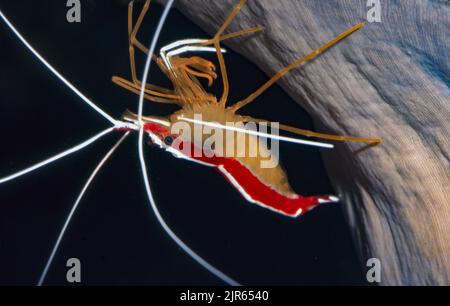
(168, 140)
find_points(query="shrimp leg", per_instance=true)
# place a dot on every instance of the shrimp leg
(150, 95)
(153, 93)
(156, 93)
(295, 64)
(216, 40)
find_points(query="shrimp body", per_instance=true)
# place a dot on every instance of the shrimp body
(265, 186)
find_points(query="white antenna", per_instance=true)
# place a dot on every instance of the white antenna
(260, 134)
(57, 157)
(75, 206)
(55, 72)
(164, 225)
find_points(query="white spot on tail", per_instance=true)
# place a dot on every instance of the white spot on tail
(331, 199)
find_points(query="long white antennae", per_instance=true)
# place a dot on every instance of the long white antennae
(260, 134)
(58, 156)
(75, 206)
(164, 225)
(55, 72)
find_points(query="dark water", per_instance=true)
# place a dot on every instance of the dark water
(114, 233)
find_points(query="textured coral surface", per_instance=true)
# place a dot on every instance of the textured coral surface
(390, 79)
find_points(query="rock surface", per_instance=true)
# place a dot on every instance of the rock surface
(391, 80)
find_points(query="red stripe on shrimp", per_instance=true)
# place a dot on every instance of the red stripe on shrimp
(256, 191)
